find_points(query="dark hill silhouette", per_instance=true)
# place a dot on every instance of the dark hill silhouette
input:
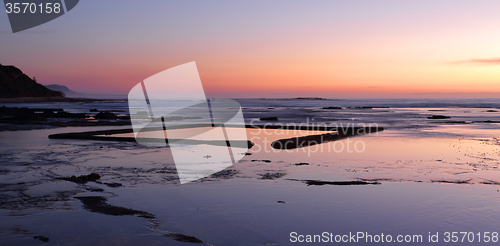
(14, 83)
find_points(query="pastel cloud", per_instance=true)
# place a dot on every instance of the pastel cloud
(488, 61)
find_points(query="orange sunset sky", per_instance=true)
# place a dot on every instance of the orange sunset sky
(270, 48)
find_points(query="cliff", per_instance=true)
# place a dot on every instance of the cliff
(14, 83)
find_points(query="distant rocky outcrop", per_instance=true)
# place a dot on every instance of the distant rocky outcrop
(74, 94)
(61, 88)
(14, 83)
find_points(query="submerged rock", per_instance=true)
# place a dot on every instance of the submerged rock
(438, 117)
(42, 238)
(98, 204)
(83, 178)
(183, 238)
(269, 118)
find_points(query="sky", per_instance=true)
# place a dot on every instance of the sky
(278, 48)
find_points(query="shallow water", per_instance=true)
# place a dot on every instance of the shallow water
(420, 176)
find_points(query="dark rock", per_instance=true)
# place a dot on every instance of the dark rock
(83, 178)
(272, 175)
(42, 238)
(48, 112)
(451, 182)
(320, 183)
(248, 153)
(281, 202)
(490, 183)
(124, 117)
(302, 164)
(267, 161)
(310, 140)
(492, 111)
(63, 114)
(91, 177)
(98, 204)
(455, 122)
(30, 117)
(106, 115)
(269, 118)
(371, 107)
(332, 108)
(183, 238)
(438, 117)
(94, 110)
